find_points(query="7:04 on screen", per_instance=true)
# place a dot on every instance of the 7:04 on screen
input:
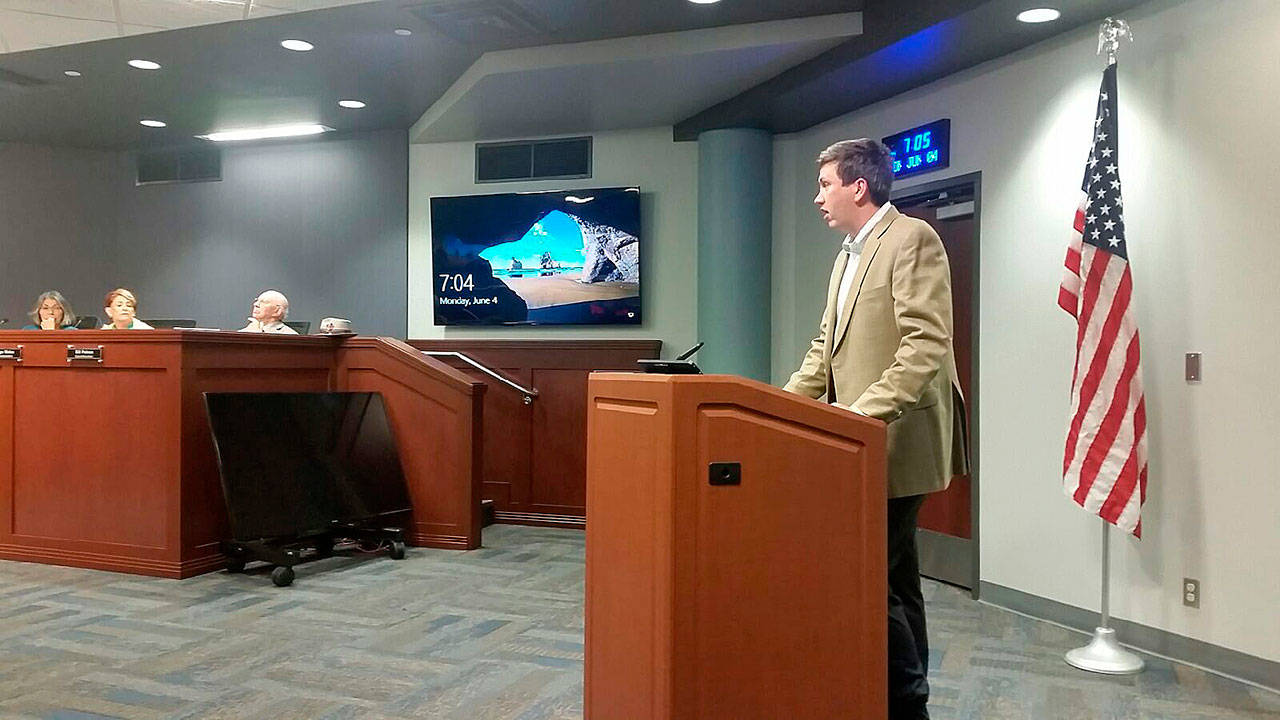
(456, 282)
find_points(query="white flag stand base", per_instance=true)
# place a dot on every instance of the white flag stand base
(1104, 655)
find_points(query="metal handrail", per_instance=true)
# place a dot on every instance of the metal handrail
(529, 393)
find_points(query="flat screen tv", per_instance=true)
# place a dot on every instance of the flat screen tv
(292, 463)
(547, 258)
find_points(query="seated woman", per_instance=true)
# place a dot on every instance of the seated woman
(121, 308)
(51, 312)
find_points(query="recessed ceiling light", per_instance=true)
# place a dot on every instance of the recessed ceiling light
(403, 32)
(704, 2)
(152, 123)
(274, 131)
(1038, 15)
(296, 45)
(144, 64)
(353, 104)
(71, 73)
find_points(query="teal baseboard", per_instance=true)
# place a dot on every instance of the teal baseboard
(1223, 661)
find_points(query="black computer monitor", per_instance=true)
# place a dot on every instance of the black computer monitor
(293, 463)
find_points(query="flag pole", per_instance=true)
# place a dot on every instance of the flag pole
(1104, 654)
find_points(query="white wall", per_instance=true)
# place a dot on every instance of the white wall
(1198, 148)
(667, 174)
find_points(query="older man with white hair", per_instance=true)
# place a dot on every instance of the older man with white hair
(269, 312)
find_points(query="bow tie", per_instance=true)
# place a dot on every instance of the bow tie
(851, 247)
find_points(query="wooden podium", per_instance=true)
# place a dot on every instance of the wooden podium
(735, 553)
(107, 461)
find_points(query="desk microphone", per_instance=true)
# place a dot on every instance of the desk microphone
(4, 321)
(689, 353)
(680, 366)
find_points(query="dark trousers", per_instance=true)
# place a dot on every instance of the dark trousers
(908, 643)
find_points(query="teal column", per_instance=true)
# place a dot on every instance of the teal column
(735, 232)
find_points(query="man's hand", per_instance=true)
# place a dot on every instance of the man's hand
(253, 326)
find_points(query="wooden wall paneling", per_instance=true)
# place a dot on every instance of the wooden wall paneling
(436, 413)
(536, 455)
(559, 468)
(508, 436)
(508, 439)
(566, 354)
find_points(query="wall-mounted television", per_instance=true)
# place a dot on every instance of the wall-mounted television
(567, 257)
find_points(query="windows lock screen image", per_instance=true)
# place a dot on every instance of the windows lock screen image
(548, 258)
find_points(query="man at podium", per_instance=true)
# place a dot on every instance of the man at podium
(883, 350)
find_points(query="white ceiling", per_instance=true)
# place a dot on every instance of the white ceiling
(640, 81)
(34, 24)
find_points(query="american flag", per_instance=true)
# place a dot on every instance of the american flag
(1104, 468)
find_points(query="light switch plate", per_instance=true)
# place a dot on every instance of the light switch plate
(1193, 367)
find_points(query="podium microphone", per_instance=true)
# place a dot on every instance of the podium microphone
(689, 353)
(680, 366)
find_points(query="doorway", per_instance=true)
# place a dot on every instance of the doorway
(948, 529)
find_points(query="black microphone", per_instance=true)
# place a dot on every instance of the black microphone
(689, 353)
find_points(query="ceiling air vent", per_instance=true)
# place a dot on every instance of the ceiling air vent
(488, 23)
(16, 81)
(179, 166)
(533, 160)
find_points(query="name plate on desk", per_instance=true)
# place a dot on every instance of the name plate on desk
(84, 354)
(13, 353)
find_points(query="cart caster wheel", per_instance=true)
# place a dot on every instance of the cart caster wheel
(282, 576)
(324, 548)
(235, 565)
(397, 550)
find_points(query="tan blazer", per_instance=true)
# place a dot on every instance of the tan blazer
(889, 353)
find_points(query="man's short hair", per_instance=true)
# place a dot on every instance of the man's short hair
(862, 158)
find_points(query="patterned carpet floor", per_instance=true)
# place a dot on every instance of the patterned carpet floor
(485, 635)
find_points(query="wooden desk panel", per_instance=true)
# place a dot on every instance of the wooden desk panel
(435, 413)
(86, 473)
(757, 599)
(99, 494)
(111, 465)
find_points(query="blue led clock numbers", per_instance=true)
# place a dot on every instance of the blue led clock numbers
(920, 149)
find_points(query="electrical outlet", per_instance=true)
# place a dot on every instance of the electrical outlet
(1191, 592)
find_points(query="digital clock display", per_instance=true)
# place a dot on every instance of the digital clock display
(921, 149)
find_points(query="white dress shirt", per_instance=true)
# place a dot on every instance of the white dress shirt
(854, 248)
